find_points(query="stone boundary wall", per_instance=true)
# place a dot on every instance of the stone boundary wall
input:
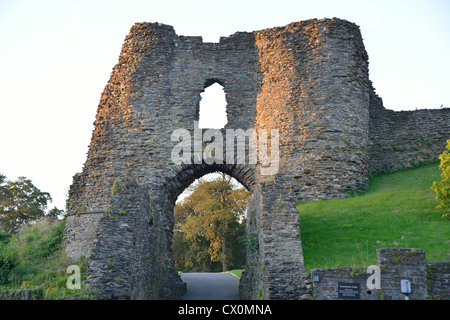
(403, 139)
(428, 280)
(325, 283)
(438, 280)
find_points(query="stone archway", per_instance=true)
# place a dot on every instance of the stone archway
(308, 81)
(186, 177)
(181, 176)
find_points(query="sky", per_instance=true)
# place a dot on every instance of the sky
(57, 56)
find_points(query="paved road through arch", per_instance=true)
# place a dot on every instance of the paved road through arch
(211, 286)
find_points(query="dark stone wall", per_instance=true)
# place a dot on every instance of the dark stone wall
(404, 139)
(428, 280)
(402, 264)
(326, 283)
(438, 280)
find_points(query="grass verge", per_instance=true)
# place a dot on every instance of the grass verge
(237, 272)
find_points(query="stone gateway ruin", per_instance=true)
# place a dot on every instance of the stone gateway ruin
(309, 80)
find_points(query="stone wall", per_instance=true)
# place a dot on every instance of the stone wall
(124, 242)
(309, 80)
(80, 234)
(403, 139)
(325, 284)
(398, 264)
(315, 90)
(427, 280)
(438, 280)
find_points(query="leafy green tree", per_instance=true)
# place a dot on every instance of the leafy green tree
(208, 225)
(442, 188)
(21, 202)
(55, 213)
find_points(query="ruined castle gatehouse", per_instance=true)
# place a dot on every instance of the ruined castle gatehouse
(305, 84)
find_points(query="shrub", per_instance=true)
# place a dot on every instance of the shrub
(442, 188)
(4, 237)
(8, 260)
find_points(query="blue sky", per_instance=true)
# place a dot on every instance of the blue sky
(57, 56)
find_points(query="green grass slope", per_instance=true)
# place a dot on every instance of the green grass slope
(399, 210)
(35, 260)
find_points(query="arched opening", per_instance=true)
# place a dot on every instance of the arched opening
(182, 176)
(213, 105)
(209, 225)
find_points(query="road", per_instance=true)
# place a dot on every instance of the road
(211, 286)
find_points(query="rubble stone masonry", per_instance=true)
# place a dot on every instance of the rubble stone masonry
(309, 80)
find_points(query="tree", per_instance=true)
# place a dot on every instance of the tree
(55, 213)
(442, 188)
(209, 221)
(21, 202)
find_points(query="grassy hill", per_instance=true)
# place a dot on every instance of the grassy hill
(399, 210)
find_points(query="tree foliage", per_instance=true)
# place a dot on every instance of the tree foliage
(209, 225)
(442, 188)
(21, 202)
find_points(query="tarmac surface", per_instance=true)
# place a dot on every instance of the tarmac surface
(211, 286)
